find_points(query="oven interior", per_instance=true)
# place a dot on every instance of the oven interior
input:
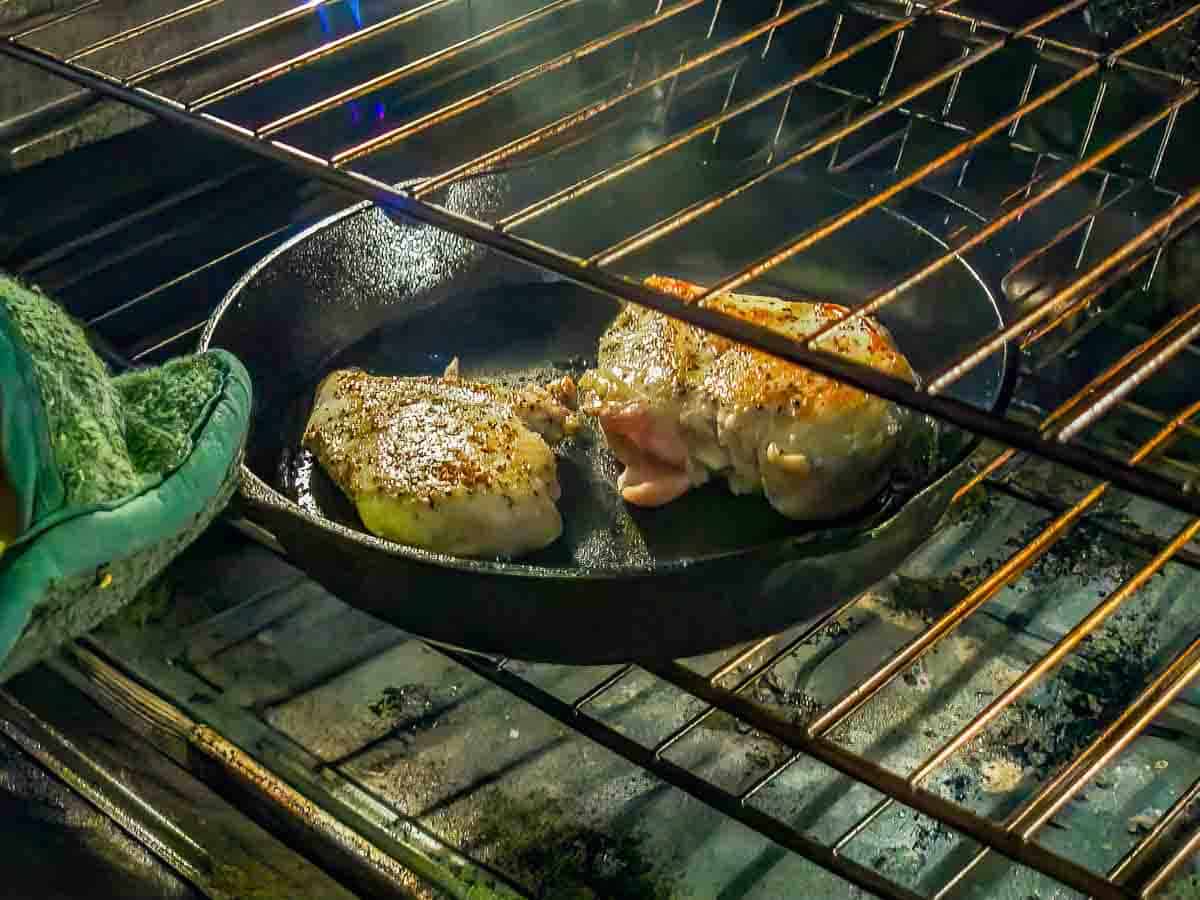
(1008, 715)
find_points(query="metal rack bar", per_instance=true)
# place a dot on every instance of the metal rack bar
(732, 804)
(191, 330)
(387, 864)
(765, 264)
(1011, 838)
(814, 236)
(602, 687)
(510, 50)
(862, 770)
(769, 776)
(65, 249)
(1167, 334)
(1110, 399)
(1070, 341)
(1087, 218)
(1027, 819)
(179, 279)
(1156, 697)
(198, 223)
(1171, 866)
(1100, 204)
(755, 675)
(719, 799)
(1162, 225)
(1052, 658)
(899, 136)
(108, 794)
(510, 26)
(739, 659)
(839, 712)
(989, 587)
(402, 202)
(1079, 304)
(1048, 425)
(1126, 870)
(1043, 42)
(600, 179)
(62, 17)
(138, 30)
(885, 296)
(256, 29)
(486, 95)
(299, 61)
(917, 115)
(535, 137)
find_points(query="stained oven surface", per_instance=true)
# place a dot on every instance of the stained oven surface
(1008, 715)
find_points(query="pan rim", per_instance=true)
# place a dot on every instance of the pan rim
(814, 541)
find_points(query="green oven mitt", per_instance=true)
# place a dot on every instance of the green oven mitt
(103, 480)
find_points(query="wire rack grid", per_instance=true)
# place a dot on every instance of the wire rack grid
(1160, 853)
(669, 50)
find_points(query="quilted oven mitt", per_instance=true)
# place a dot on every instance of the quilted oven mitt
(103, 480)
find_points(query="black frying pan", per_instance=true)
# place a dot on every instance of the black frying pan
(705, 572)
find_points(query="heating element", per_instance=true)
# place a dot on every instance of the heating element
(691, 75)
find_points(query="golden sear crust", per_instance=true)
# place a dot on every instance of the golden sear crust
(427, 439)
(738, 375)
(657, 352)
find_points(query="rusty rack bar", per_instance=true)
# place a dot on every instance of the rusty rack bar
(415, 203)
(1014, 836)
(1135, 875)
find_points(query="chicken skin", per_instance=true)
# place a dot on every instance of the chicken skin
(445, 464)
(679, 406)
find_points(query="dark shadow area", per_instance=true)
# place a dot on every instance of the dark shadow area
(58, 847)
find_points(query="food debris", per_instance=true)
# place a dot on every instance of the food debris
(409, 705)
(1001, 776)
(535, 840)
(1144, 821)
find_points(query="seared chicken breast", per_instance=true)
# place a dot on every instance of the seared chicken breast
(679, 406)
(445, 464)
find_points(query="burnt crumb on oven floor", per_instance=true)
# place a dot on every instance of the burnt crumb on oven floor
(1107, 671)
(1093, 686)
(406, 705)
(538, 840)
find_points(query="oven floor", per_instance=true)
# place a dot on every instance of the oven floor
(393, 736)
(91, 809)
(59, 847)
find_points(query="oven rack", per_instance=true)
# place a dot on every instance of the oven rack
(150, 674)
(1139, 873)
(167, 679)
(662, 61)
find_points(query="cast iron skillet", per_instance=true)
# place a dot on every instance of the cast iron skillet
(706, 572)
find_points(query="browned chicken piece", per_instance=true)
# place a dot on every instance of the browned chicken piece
(679, 406)
(446, 464)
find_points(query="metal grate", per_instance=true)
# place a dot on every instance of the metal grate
(264, 706)
(1151, 860)
(561, 93)
(724, 684)
(1015, 835)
